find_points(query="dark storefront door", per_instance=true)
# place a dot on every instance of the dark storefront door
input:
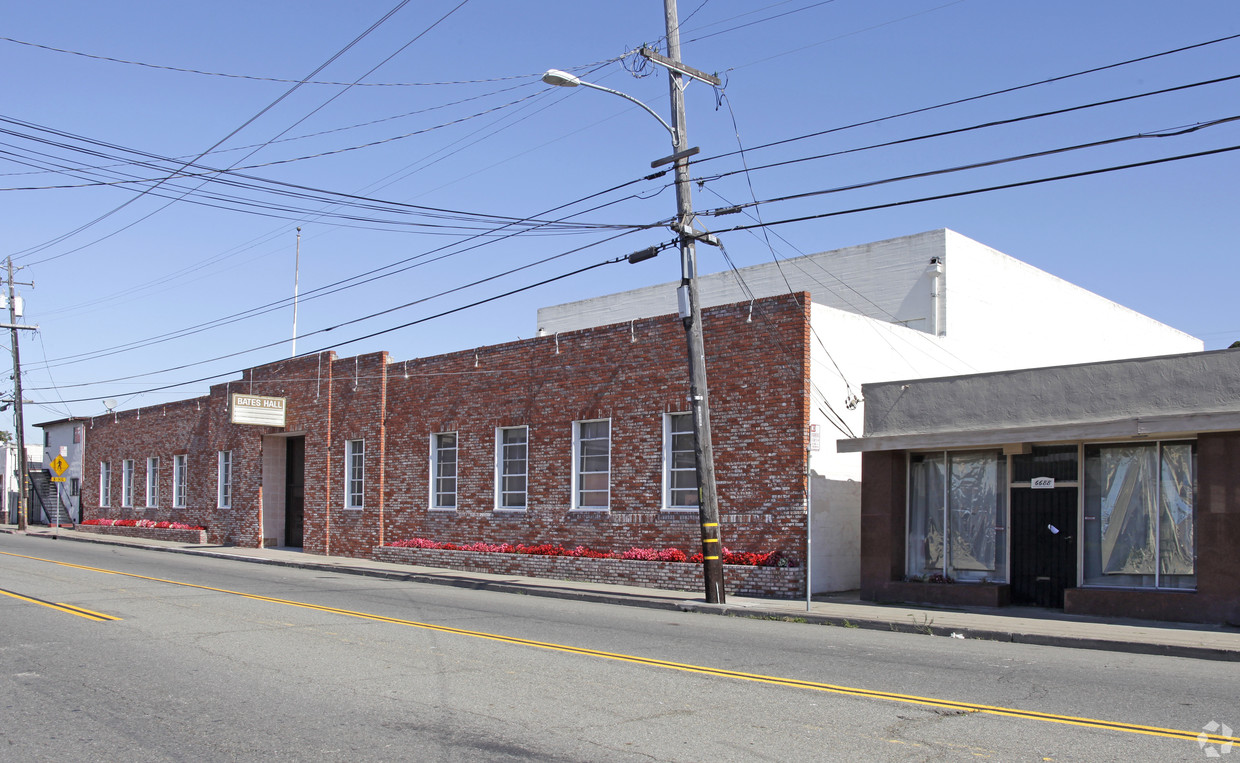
(1043, 545)
(294, 491)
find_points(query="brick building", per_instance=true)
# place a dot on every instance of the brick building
(576, 437)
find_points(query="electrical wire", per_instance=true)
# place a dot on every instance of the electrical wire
(385, 271)
(980, 96)
(980, 126)
(343, 343)
(988, 189)
(1171, 133)
(41, 247)
(281, 80)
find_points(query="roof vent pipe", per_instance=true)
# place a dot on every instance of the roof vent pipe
(936, 291)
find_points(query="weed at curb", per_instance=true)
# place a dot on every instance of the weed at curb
(926, 625)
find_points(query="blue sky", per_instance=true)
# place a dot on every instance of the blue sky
(450, 114)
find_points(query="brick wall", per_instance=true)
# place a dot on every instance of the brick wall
(149, 533)
(631, 374)
(739, 580)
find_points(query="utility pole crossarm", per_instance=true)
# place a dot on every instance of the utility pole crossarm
(681, 68)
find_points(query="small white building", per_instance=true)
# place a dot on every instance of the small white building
(927, 305)
(65, 439)
(10, 467)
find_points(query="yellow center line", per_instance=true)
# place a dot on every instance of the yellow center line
(969, 707)
(69, 608)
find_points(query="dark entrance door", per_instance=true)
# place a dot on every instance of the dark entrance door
(294, 491)
(1043, 545)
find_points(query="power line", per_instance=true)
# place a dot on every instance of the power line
(385, 271)
(988, 163)
(258, 78)
(979, 126)
(968, 99)
(988, 189)
(216, 145)
(364, 337)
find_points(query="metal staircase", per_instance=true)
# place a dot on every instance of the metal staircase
(46, 506)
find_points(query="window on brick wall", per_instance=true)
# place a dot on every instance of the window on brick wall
(223, 480)
(180, 469)
(355, 473)
(591, 464)
(127, 483)
(511, 467)
(105, 483)
(443, 470)
(152, 482)
(680, 490)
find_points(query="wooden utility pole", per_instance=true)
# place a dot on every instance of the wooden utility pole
(691, 313)
(18, 423)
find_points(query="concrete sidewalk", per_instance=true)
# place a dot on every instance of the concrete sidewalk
(1024, 625)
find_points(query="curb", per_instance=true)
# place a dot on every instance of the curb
(724, 610)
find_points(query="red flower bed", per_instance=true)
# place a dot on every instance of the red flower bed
(749, 558)
(149, 523)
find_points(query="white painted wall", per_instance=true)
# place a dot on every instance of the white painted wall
(847, 351)
(58, 438)
(10, 468)
(1003, 313)
(886, 280)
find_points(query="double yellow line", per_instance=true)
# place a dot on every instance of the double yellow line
(966, 707)
(98, 617)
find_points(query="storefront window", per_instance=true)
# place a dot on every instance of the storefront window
(957, 502)
(1139, 515)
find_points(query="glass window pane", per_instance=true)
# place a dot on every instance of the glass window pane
(1128, 510)
(514, 484)
(927, 482)
(684, 498)
(1175, 529)
(593, 498)
(594, 464)
(974, 503)
(597, 481)
(594, 429)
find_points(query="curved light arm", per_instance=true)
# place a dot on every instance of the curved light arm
(564, 79)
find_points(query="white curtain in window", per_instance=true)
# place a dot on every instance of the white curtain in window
(974, 501)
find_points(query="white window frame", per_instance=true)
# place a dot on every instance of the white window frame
(105, 484)
(127, 483)
(152, 482)
(355, 474)
(180, 472)
(669, 431)
(579, 475)
(438, 451)
(224, 480)
(501, 472)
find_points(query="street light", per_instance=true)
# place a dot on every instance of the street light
(687, 300)
(564, 79)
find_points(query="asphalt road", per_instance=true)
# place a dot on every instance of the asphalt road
(222, 660)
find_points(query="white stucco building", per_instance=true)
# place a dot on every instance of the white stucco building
(65, 439)
(927, 305)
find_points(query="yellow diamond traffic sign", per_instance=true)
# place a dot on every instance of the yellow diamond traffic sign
(59, 465)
